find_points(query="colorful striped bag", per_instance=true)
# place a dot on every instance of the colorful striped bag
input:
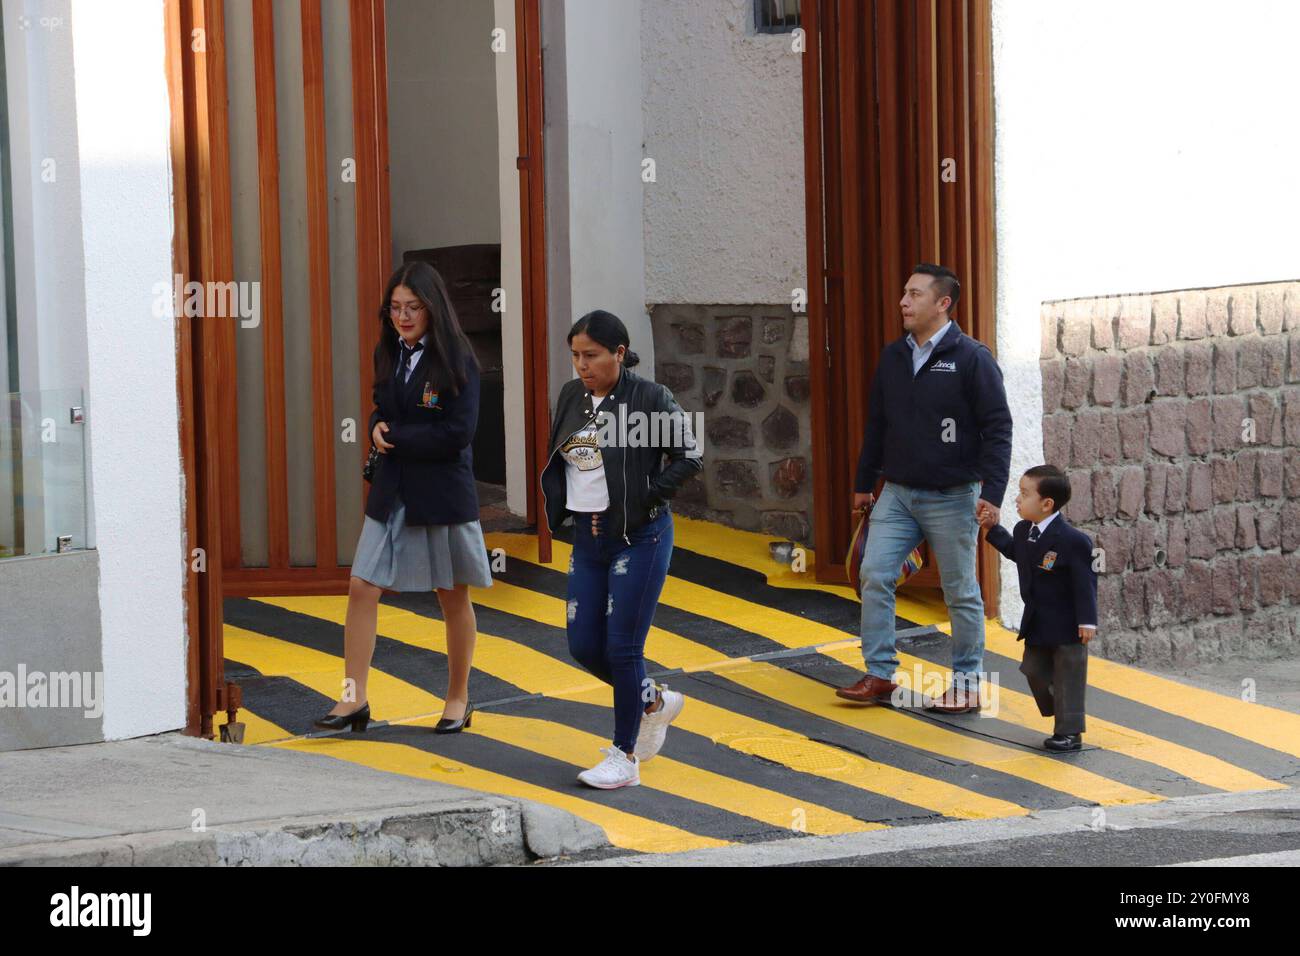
(858, 548)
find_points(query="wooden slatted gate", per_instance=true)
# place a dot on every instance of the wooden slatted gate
(896, 94)
(208, 363)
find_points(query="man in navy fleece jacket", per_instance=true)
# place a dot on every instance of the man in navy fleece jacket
(939, 431)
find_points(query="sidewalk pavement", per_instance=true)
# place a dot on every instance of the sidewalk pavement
(175, 800)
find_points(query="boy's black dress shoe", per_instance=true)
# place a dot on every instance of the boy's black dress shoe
(359, 719)
(1064, 742)
(446, 726)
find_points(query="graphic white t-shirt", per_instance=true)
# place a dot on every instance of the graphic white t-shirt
(584, 468)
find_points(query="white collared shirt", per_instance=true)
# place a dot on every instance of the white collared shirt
(921, 353)
(414, 360)
(1042, 525)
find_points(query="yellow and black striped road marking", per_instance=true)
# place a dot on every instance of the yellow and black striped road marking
(763, 748)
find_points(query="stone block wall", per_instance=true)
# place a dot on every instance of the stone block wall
(745, 367)
(1177, 417)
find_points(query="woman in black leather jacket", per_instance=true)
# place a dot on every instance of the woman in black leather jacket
(611, 432)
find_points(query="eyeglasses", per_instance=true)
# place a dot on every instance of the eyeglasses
(412, 310)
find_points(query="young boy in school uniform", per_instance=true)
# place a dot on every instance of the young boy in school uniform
(1059, 588)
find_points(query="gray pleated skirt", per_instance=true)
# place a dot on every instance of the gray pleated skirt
(423, 557)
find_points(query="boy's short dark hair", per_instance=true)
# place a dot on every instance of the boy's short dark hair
(1052, 483)
(945, 281)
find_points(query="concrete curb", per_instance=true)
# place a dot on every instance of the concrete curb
(925, 836)
(133, 803)
(480, 832)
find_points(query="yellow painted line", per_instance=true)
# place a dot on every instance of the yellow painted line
(803, 692)
(746, 549)
(1216, 710)
(789, 630)
(692, 783)
(321, 672)
(257, 730)
(922, 734)
(1018, 708)
(539, 673)
(622, 829)
(1267, 726)
(749, 550)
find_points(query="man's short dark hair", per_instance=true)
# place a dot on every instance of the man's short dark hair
(1052, 483)
(945, 281)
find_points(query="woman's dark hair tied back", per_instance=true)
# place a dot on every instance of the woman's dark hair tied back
(607, 329)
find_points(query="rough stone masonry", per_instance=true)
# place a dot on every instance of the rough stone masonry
(1177, 417)
(746, 368)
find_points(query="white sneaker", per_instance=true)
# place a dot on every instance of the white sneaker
(615, 771)
(654, 727)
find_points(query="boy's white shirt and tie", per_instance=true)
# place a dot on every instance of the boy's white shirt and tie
(1036, 532)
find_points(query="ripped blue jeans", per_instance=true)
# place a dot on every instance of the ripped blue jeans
(613, 590)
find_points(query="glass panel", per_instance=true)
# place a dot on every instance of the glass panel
(42, 472)
(298, 398)
(336, 42)
(247, 243)
(9, 335)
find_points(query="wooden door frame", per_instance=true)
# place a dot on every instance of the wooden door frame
(913, 90)
(531, 163)
(199, 359)
(205, 351)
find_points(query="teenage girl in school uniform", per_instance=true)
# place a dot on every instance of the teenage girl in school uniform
(422, 530)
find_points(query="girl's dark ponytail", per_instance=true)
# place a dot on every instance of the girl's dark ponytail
(607, 329)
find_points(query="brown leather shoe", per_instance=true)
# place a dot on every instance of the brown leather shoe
(869, 690)
(955, 701)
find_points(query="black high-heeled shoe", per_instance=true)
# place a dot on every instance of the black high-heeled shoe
(446, 726)
(359, 719)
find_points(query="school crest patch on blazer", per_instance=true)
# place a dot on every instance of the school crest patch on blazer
(430, 397)
(1049, 560)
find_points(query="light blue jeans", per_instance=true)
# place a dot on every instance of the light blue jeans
(945, 519)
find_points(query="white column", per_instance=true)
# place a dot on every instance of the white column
(123, 167)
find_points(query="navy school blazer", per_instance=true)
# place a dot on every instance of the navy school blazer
(1057, 582)
(431, 464)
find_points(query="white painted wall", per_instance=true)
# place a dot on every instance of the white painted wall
(723, 117)
(125, 237)
(512, 339)
(602, 42)
(1140, 147)
(442, 104)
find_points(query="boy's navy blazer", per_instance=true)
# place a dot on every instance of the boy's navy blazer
(1059, 599)
(431, 463)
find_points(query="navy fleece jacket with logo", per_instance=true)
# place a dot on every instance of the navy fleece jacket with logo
(947, 425)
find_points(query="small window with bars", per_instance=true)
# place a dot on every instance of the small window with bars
(776, 16)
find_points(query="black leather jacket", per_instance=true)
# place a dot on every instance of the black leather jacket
(639, 483)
